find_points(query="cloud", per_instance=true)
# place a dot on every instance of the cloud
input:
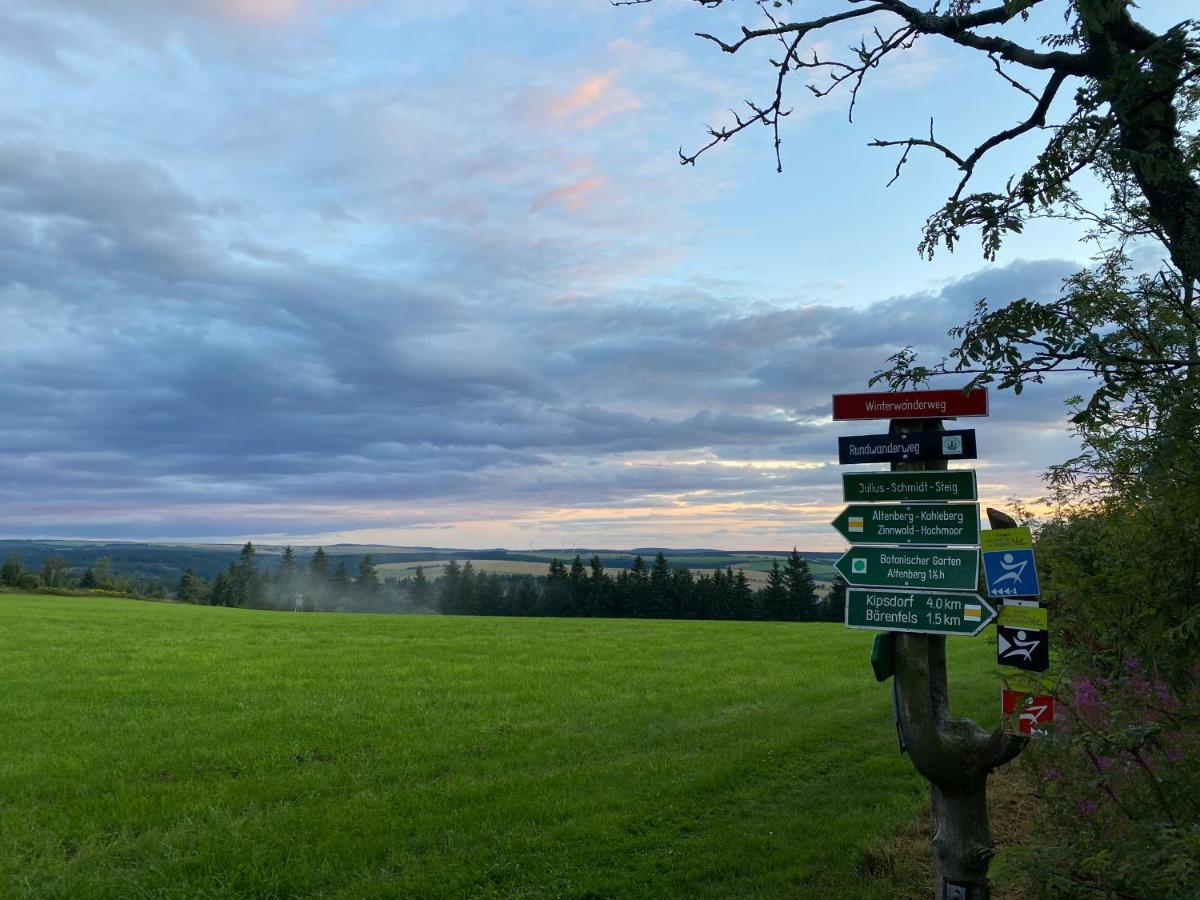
(333, 281)
(573, 196)
(260, 10)
(591, 100)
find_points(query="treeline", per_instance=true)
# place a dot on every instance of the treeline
(656, 591)
(57, 574)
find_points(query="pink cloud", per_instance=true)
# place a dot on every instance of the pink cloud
(260, 10)
(592, 100)
(573, 196)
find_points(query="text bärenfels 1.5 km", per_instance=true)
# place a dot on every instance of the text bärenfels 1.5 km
(924, 612)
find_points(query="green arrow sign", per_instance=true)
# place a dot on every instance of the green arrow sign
(910, 523)
(914, 487)
(952, 570)
(920, 611)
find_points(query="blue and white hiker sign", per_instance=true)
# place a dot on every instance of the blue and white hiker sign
(1008, 568)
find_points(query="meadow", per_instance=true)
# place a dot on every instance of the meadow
(162, 750)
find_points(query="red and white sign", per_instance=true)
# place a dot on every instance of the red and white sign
(911, 405)
(1032, 711)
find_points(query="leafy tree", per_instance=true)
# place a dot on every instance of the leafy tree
(102, 572)
(223, 589)
(192, 589)
(10, 572)
(54, 570)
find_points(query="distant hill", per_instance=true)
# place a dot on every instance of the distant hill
(166, 562)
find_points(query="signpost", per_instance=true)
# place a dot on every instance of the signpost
(906, 523)
(995, 540)
(1031, 711)
(925, 612)
(916, 446)
(1028, 617)
(910, 405)
(1022, 638)
(1022, 648)
(911, 487)
(921, 503)
(1008, 563)
(940, 568)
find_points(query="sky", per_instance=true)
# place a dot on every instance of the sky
(430, 274)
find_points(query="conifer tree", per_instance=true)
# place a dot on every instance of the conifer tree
(659, 606)
(743, 596)
(468, 586)
(318, 567)
(801, 589)
(556, 595)
(340, 583)
(246, 583)
(578, 586)
(450, 589)
(419, 590)
(600, 588)
(638, 588)
(774, 595)
(367, 583)
(835, 603)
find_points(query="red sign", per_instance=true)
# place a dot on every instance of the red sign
(911, 405)
(1035, 710)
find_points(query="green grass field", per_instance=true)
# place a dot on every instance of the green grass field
(157, 750)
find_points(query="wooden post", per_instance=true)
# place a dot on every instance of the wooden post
(954, 755)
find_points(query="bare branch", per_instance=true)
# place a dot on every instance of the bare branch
(1016, 84)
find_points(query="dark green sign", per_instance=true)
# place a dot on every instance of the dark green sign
(927, 612)
(945, 569)
(914, 487)
(910, 523)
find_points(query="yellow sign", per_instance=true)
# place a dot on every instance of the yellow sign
(1030, 617)
(1005, 539)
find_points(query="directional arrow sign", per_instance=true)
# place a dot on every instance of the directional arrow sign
(914, 487)
(953, 570)
(907, 523)
(911, 405)
(915, 446)
(927, 612)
